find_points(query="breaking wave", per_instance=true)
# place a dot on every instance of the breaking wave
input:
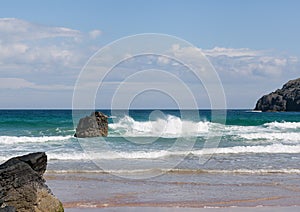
(170, 127)
(173, 127)
(156, 154)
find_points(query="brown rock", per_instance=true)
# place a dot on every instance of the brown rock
(95, 125)
(23, 187)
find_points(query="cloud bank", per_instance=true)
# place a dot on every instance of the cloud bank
(47, 59)
(41, 53)
(252, 63)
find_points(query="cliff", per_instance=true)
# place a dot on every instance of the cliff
(285, 99)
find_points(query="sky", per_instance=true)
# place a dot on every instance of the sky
(253, 46)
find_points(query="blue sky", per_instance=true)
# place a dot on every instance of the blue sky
(44, 44)
(258, 24)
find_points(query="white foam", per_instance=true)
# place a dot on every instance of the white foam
(273, 149)
(109, 155)
(236, 130)
(284, 137)
(255, 171)
(147, 155)
(27, 139)
(71, 156)
(283, 125)
(184, 171)
(68, 156)
(172, 126)
(275, 132)
(162, 154)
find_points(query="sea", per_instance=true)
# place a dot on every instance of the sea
(163, 157)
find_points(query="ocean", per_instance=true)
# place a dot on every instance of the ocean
(254, 155)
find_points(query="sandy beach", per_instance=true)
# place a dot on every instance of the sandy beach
(161, 209)
(176, 192)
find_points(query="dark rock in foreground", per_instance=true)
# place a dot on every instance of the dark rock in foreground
(285, 99)
(22, 186)
(94, 125)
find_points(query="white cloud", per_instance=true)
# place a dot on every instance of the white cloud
(175, 47)
(39, 64)
(230, 52)
(14, 83)
(163, 60)
(95, 33)
(40, 51)
(251, 63)
(11, 50)
(232, 64)
(19, 83)
(16, 34)
(12, 29)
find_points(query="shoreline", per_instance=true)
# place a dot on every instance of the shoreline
(189, 209)
(179, 205)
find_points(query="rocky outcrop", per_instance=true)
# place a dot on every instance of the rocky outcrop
(94, 125)
(22, 186)
(285, 99)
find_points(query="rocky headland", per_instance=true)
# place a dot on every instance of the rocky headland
(22, 186)
(285, 99)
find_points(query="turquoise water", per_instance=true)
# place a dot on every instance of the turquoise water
(149, 141)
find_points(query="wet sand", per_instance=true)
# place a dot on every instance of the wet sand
(161, 209)
(177, 192)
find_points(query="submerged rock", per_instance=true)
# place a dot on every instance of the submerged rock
(22, 186)
(95, 125)
(285, 99)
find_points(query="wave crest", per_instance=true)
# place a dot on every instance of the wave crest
(170, 127)
(283, 125)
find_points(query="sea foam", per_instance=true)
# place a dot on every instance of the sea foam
(173, 127)
(27, 139)
(156, 154)
(170, 127)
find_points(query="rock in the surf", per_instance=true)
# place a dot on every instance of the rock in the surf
(95, 125)
(22, 186)
(285, 99)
